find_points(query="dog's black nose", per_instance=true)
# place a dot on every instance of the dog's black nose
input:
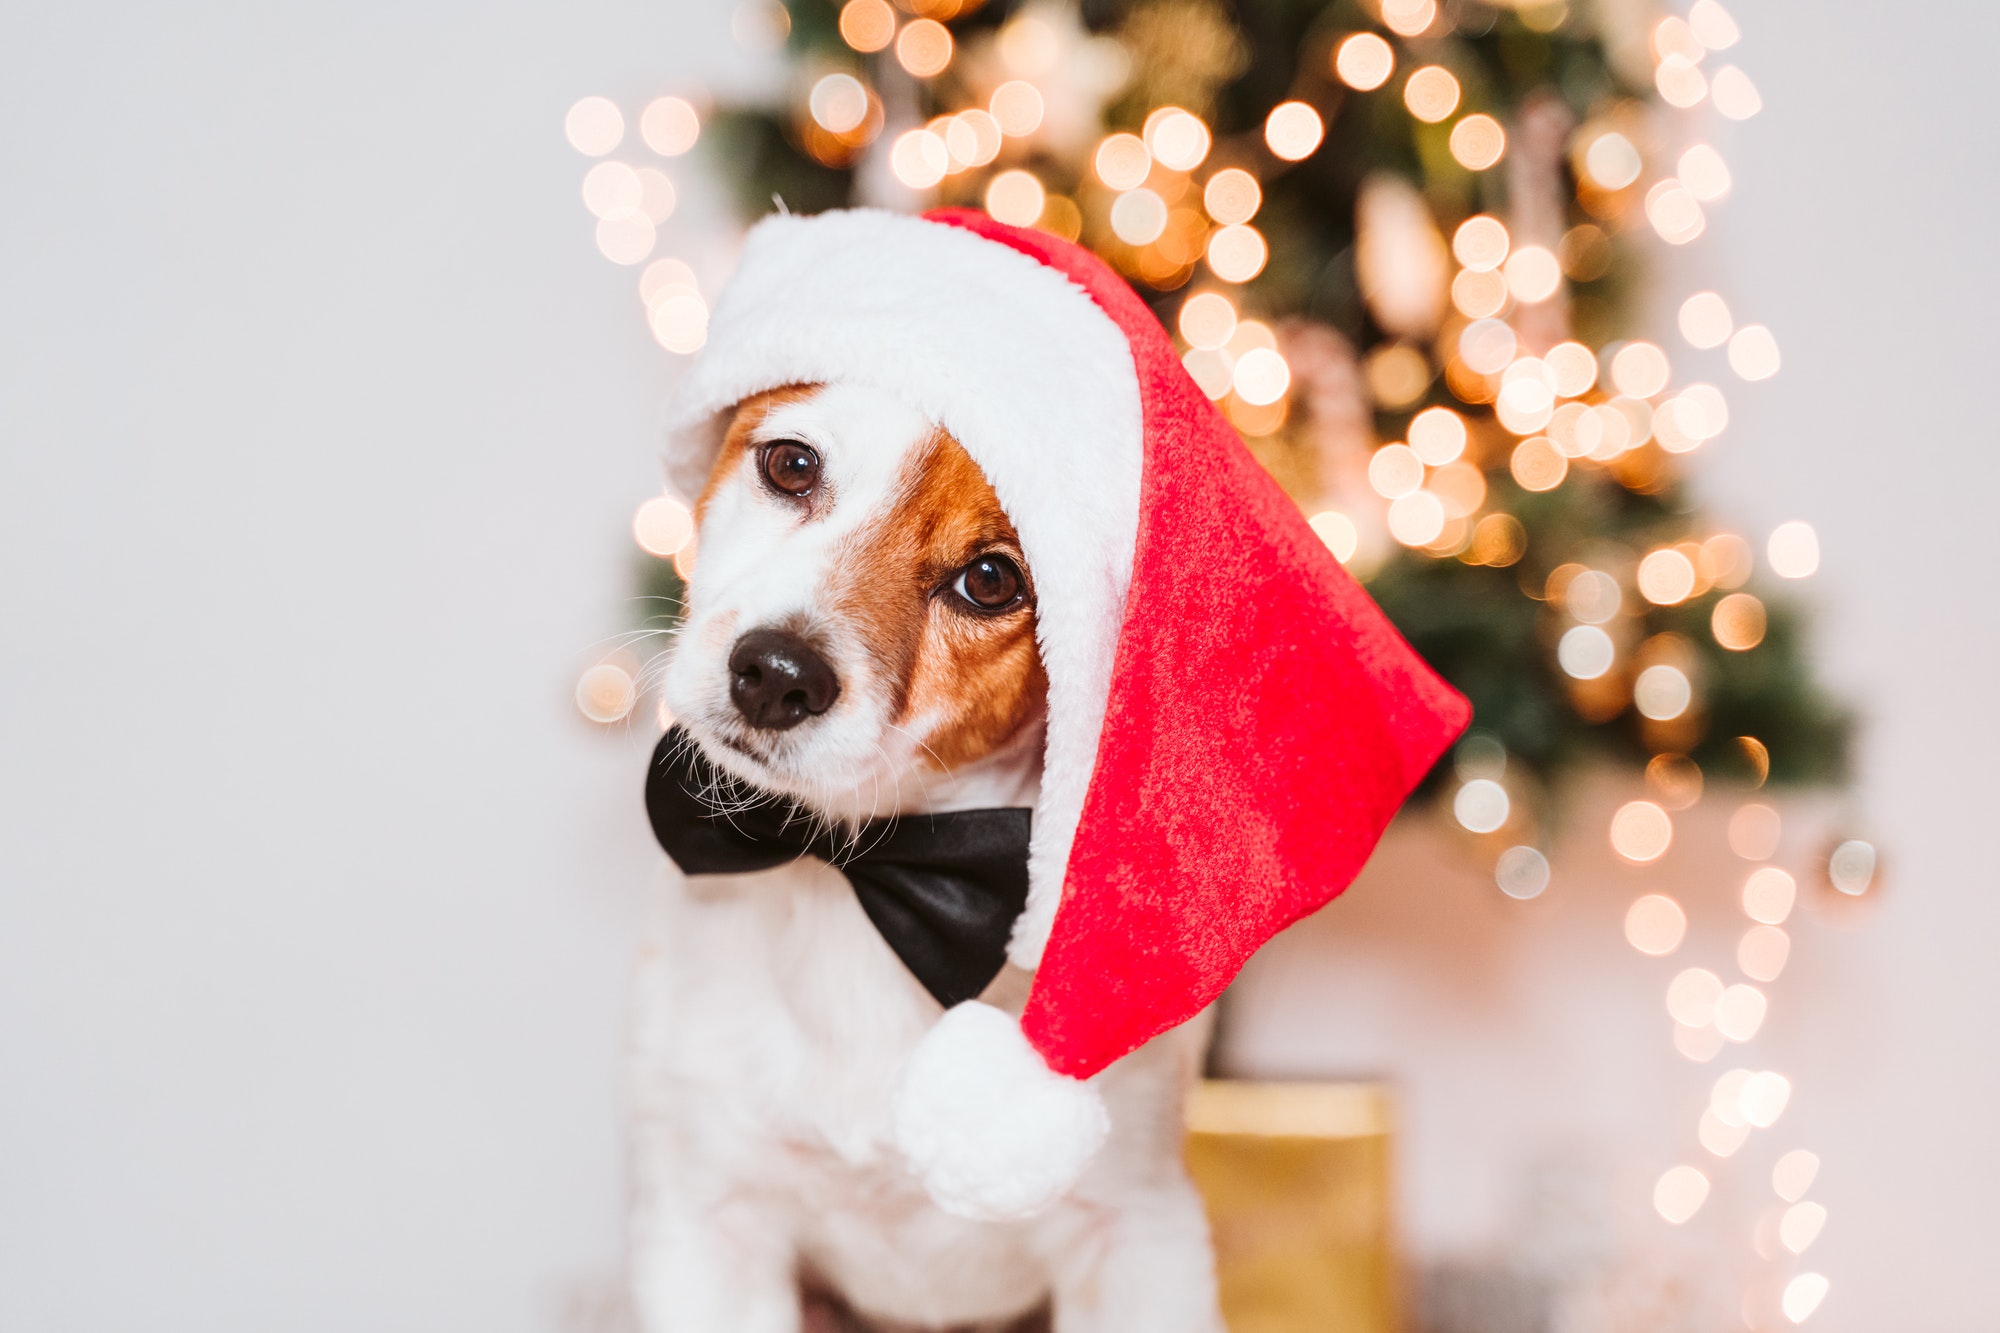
(778, 680)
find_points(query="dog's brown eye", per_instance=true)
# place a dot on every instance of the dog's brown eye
(791, 467)
(990, 583)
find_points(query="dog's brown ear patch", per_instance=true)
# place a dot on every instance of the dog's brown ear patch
(962, 682)
(748, 415)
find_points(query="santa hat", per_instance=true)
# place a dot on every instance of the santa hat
(1231, 722)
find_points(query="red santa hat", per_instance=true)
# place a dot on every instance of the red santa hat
(1231, 721)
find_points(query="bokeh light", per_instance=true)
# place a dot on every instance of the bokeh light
(1293, 130)
(1337, 530)
(1851, 867)
(1803, 1295)
(679, 322)
(626, 237)
(1364, 61)
(670, 126)
(1754, 831)
(1740, 1012)
(1479, 293)
(838, 103)
(1793, 550)
(1232, 195)
(1705, 321)
(1017, 107)
(1437, 435)
(1801, 1226)
(1213, 369)
(1416, 519)
(1768, 895)
(1662, 692)
(1207, 319)
(1498, 540)
(1177, 139)
(1487, 346)
(1793, 1174)
(594, 126)
(1763, 952)
(1704, 173)
(1692, 996)
(1122, 161)
(662, 526)
(1592, 596)
(1716, 1134)
(1640, 370)
(1538, 465)
(605, 693)
(1700, 1045)
(1712, 26)
(1431, 93)
(1573, 367)
(1261, 376)
(1521, 872)
(1481, 806)
(1015, 196)
(1533, 275)
(610, 188)
(1735, 96)
(1480, 242)
(1666, 576)
(867, 25)
(1408, 18)
(1585, 652)
(919, 159)
(1138, 217)
(1738, 622)
(1674, 212)
(1395, 470)
(1641, 831)
(1655, 925)
(1753, 353)
(1238, 253)
(924, 48)
(1478, 141)
(1611, 162)
(1680, 1193)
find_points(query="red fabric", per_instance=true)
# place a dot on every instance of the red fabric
(1265, 722)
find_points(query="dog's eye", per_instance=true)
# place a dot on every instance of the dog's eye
(791, 467)
(991, 583)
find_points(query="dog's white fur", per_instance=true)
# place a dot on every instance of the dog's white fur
(772, 1021)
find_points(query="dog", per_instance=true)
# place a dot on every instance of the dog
(860, 637)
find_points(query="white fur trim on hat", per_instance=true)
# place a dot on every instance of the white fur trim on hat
(990, 1129)
(1030, 375)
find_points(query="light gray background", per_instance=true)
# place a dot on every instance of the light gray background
(321, 423)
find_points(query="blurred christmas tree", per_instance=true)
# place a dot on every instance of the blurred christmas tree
(1402, 246)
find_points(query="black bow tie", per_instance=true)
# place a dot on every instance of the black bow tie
(943, 889)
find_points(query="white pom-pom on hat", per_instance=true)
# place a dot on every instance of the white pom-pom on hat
(989, 1128)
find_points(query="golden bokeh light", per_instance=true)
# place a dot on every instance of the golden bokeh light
(1730, 560)
(1431, 93)
(1753, 352)
(1611, 162)
(1261, 376)
(1641, 831)
(1738, 622)
(670, 125)
(923, 48)
(1016, 197)
(684, 559)
(1337, 530)
(1460, 488)
(1395, 471)
(1232, 195)
(1207, 319)
(1757, 756)
(1592, 596)
(1680, 1193)
(973, 138)
(1673, 37)
(1674, 779)
(1416, 519)
(594, 126)
(1680, 81)
(1764, 1098)
(1524, 404)
(1533, 274)
(1768, 895)
(1666, 576)
(1212, 369)
(626, 237)
(1735, 96)
(605, 693)
(1487, 346)
(1437, 435)
(1692, 996)
(1640, 370)
(1538, 465)
(1704, 173)
(1705, 321)
(1572, 368)
(1793, 550)
(1755, 830)
(1655, 925)
(919, 159)
(1521, 872)
(1122, 161)
(1726, 1097)
(838, 103)
(1850, 868)
(1712, 26)
(867, 25)
(1803, 1295)
(1237, 253)
(1293, 130)
(1717, 1135)
(679, 322)
(1481, 806)
(1017, 107)
(1740, 1012)
(1674, 212)
(1178, 139)
(1479, 293)
(1364, 62)
(1793, 1174)
(662, 526)
(1397, 374)
(1585, 652)
(610, 188)
(1408, 18)
(1138, 217)
(1478, 142)
(1251, 334)
(1662, 692)
(1498, 540)
(1762, 952)
(1480, 242)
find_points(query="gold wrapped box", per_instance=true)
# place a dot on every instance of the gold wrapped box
(1297, 1180)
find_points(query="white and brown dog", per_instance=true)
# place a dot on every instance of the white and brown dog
(861, 638)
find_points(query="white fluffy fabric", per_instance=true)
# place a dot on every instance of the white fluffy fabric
(991, 1131)
(1029, 374)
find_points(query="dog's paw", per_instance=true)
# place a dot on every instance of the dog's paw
(989, 1128)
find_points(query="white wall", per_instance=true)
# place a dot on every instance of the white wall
(320, 424)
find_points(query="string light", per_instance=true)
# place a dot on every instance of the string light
(1478, 141)
(1364, 62)
(1431, 93)
(1293, 130)
(867, 25)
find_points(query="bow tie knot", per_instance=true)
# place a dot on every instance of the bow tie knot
(942, 889)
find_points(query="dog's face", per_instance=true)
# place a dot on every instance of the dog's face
(861, 620)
